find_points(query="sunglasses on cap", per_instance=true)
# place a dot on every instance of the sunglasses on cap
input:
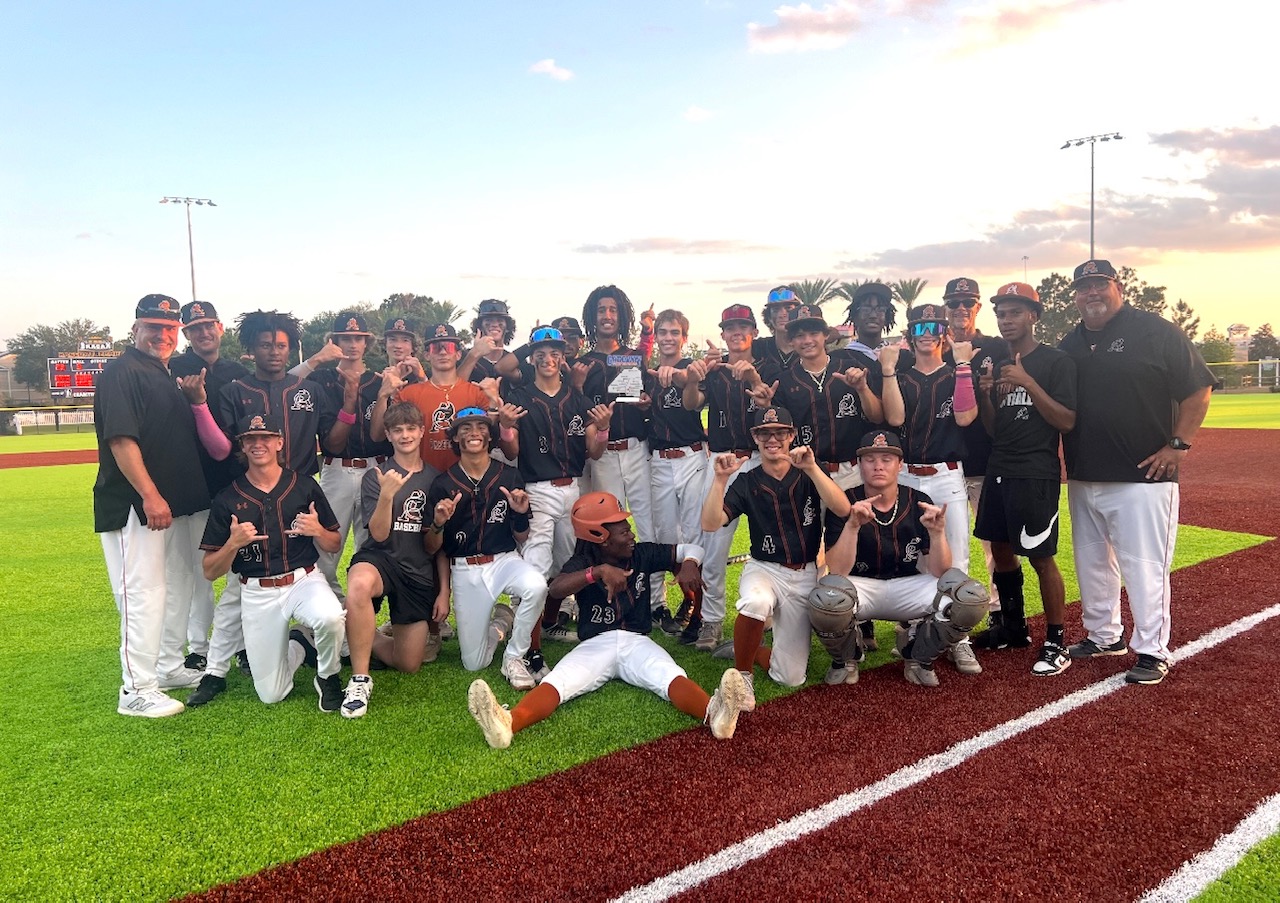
(934, 329)
(966, 303)
(782, 296)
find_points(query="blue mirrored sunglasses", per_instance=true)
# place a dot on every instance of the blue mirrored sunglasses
(781, 295)
(927, 329)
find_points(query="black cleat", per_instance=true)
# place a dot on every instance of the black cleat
(242, 662)
(195, 661)
(308, 648)
(209, 687)
(331, 692)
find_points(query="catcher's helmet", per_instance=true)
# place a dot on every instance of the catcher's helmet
(593, 513)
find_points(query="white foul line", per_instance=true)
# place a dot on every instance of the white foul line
(1198, 873)
(816, 819)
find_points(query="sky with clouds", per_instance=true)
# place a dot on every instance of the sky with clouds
(693, 153)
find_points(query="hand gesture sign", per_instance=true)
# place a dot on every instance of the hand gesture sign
(727, 464)
(863, 512)
(962, 352)
(306, 524)
(802, 456)
(697, 370)
(888, 357)
(744, 371)
(445, 508)
(193, 387)
(578, 374)
(855, 377)
(614, 578)
(601, 415)
(350, 386)
(517, 499)
(390, 482)
(1014, 374)
(934, 518)
(508, 414)
(243, 533)
(328, 353)
(648, 318)
(392, 380)
(763, 394)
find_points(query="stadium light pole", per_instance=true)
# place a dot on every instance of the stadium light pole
(1092, 140)
(191, 251)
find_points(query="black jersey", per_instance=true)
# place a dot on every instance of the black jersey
(671, 424)
(411, 513)
(553, 434)
(629, 421)
(298, 402)
(930, 433)
(484, 369)
(630, 609)
(888, 550)
(766, 349)
(481, 522)
(731, 410)
(360, 442)
(222, 372)
(137, 398)
(1131, 376)
(273, 514)
(1025, 445)
(828, 413)
(783, 515)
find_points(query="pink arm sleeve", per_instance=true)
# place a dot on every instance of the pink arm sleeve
(213, 439)
(964, 399)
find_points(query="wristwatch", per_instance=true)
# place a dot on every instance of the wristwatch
(1177, 443)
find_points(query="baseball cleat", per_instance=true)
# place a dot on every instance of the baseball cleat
(1087, 648)
(242, 662)
(723, 651)
(355, 699)
(708, 636)
(182, 679)
(537, 664)
(517, 673)
(561, 632)
(494, 720)
(963, 657)
(1053, 659)
(841, 673)
(330, 691)
(195, 661)
(689, 635)
(148, 704)
(431, 651)
(749, 697)
(1148, 670)
(210, 686)
(726, 704)
(663, 621)
(920, 675)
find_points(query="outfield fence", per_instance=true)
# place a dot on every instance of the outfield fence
(1248, 374)
(63, 418)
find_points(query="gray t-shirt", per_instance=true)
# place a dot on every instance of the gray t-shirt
(409, 517)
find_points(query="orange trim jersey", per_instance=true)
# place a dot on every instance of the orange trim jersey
(438, 405)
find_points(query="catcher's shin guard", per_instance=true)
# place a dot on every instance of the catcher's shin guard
(833, 613)
(958, 607)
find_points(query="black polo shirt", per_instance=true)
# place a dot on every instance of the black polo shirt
(553, 434)
(222, 372)
(481, 522)
(671, 424)
(890, 550)
(138, 398)
(784, 516)
(299, 402)
(360, 442)
(628, 610)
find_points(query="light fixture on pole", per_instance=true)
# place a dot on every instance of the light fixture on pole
(1092, 140)
(191, 251)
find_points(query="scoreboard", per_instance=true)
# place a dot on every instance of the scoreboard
(75, 377)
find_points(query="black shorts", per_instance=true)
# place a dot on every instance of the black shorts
(408, 600)
(1022, 512)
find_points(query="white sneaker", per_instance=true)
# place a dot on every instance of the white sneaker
(355, 699)
(494, 720)
(919, 675)
(182, 679)
(148, 704)
(749, 697)
(846, 673)
(517, 673)
(708, 636)
(964, 658)
(726, 704)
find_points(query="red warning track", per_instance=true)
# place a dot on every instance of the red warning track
(1102, 803)
(44, 459)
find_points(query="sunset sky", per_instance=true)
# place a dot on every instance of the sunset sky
(693, 153)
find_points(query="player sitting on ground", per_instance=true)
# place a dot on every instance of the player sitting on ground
(393, 563)
(609, 573)
(894, 549)
(276, 565)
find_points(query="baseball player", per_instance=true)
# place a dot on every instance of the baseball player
(724, 386)
(493, 328)
(480, 512)
(1143, 391)
(776, 348)
(394, 562)
(871, 313)
(149, 487)
(400, 340)
(677, 460)
(299, 404)
(1027, 403)
(782, 499)
(889, 560)
(275, 565)
(202, 367)
(609, 574)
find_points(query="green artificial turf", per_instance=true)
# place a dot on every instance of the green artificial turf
(95, 805)
(1256, 877)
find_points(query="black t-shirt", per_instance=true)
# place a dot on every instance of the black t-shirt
(1132, 373)
(217, 474)
(888, 550)
(828, 413)
(272, 513)
(783, 515)
(138, 398)
(629, 421)
(1025, 444)
(930, 433)
(553, 434)
(300, 403)
(360, 442)
(481, 522)
(628, 610)
(411, 513)
(671, 424)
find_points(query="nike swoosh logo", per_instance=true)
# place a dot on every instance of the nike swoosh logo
(1031, 542)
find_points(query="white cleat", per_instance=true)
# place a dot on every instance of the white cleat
(494, 720)
(726, 704)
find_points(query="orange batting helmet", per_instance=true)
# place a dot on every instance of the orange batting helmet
(593, 513)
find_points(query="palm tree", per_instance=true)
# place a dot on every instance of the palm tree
(814, 291)
(908, 290)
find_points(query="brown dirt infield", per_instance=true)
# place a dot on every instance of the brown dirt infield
(44, 459)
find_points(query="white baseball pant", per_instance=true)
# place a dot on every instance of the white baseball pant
(677, 492)
(631, 657)
(717, 545)
(625, 474)
(476, 588)
(228, 633)
(341, 487)
(899, 599)
(200, 619)
(771, 590)
(266, 613)
(551, 540)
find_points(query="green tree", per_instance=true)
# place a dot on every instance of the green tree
(1264, 344)
(36, 345)
(908, 290)
(1215, 349)
(315, 332)
(1060, 313)
(1183, 316)
(1137, 293)
(814, 291)
(423, 308)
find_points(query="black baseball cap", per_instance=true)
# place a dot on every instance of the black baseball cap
(402, 325)
(872, 290)
(773, 418)
(350, 322)
(807, 317)
(567, 326)
(961, 287)
(492, 307)
(927, 313)
(1094, 268)
(198, 312)
(880, 441)
(442, 331)
(159, 309)
(258, 425)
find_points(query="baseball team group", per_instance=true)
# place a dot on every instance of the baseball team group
(577, 474)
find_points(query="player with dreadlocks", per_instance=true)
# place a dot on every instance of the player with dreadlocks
(871, 314)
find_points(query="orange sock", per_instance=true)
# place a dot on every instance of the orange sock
(688, 697)
(537, 704)
(747, 636)
(764, 655)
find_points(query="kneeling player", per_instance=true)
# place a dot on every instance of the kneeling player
(276, 566)
(394, 562)
(893, 547)
(609, 573)
(481, 510)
